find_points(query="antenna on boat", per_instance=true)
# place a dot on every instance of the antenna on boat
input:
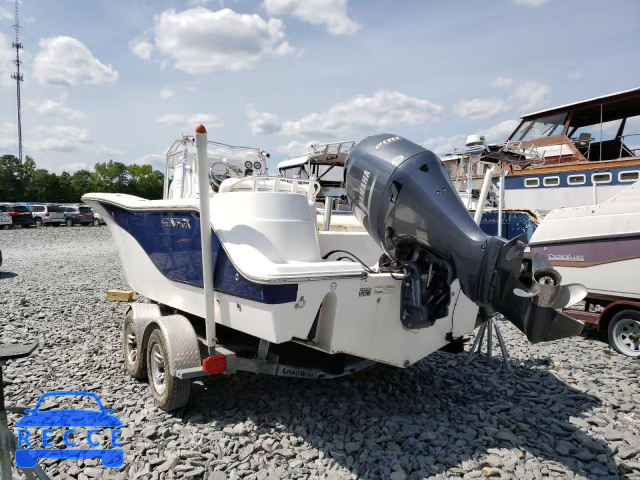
(18, 76)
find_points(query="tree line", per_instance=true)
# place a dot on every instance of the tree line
(27, 183)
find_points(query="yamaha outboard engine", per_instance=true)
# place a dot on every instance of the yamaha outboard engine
(402, 195)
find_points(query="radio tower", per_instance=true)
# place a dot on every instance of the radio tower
(18, 78)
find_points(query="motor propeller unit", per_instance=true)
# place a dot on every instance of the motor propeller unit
(402, 195)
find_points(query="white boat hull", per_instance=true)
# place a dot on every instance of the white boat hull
(356, 315)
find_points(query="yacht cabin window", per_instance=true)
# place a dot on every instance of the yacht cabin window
(531, 182)
(632, 176)
(576, 179)
(542, 127)
(551, 181)
(601, 177)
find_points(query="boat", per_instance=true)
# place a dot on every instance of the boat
(325, 164)
(577, 154)
(599, 246)
(240, 277)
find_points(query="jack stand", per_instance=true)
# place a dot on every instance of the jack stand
(8, 441)
(487, 327)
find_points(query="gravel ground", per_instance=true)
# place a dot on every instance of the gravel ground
(569, 409)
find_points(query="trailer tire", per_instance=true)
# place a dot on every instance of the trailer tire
(169, 392)
(135, 358)
(621, 326)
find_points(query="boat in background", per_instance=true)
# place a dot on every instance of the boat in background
(578, 154)
(599, 245)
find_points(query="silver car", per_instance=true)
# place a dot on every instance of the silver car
(47, 214)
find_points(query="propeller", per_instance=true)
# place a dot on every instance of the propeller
(546, 289)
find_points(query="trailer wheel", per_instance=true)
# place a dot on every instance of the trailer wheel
(169, 392)
(135, 360)
(624, 333)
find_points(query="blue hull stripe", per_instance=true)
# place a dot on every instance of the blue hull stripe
(517, 182)
(514, 224)
(177, 252)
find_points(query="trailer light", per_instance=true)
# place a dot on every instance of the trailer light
(215, 365)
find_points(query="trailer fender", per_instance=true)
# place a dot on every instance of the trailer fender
(613, 308)
(180, 337)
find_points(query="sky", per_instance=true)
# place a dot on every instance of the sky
(121, 80)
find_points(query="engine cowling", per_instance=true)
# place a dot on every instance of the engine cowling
(402, 195)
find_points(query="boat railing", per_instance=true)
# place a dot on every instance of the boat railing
(277, 184)
(321, 151)
(634, 151)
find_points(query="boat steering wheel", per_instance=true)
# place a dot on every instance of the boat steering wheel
(219, 172)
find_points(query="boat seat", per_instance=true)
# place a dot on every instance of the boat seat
(271, 237)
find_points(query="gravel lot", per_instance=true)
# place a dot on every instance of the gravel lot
(570, 409)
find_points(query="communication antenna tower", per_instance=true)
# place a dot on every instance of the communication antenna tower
(18, 77)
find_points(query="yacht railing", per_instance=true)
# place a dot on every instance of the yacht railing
(265, 183)
(634, 151)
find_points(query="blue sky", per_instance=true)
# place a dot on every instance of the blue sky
(121, 80)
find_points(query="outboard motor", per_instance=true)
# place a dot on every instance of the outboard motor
(402, 195)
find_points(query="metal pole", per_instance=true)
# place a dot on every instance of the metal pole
(483, 195)
(205, 236)
(328, 209)
(601, 132)
(469, 179)
(503, 174)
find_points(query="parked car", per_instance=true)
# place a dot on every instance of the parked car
(97, 219)
(20, 215)
(81, 214)
(47, 215)
(5, 219)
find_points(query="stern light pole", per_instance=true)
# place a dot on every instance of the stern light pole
(205, 236)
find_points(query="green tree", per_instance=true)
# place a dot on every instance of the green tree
(11, 185)
(111, 176)
(28, 174)
(82, 182)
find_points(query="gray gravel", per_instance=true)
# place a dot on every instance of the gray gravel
(569, 409)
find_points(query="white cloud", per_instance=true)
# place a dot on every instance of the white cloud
(479, 108)
(166, 92)
(295, 148)
(74, 167)
(575, 75)
(383, 109)
(529, 94)
(156, 160)
(5, 14)
(531, 3)
(442, 145)
(200, 40)
(262, 122)
(67, 61)
(6, 61)
(141, 48)
(189, 122)
(330, 13)
(53, 108)
(59, 138)
(501, 81)
(500, 131)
